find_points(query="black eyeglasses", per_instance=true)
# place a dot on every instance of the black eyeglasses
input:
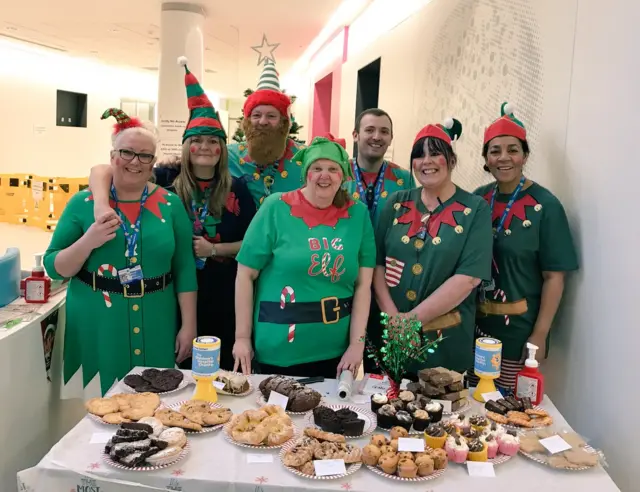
(129, 155)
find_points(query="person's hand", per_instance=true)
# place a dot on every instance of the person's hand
(202, 247)
(102, 230)
(538, 341)
(104, 212)
(352, 359)
(242, 354)
(169, 161)
(184, 343)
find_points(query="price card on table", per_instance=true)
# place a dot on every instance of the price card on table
(278, 399)
(412, 445)
(493, 396)
(480, 469)
(101, 437)
(446, 405)
(259, 458)
(218, 385)
(376, 384)
(329, 467)
(555, 444)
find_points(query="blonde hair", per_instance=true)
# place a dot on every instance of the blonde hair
(186, 183)
(148, 130)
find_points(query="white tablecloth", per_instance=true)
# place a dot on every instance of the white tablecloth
(75, 465)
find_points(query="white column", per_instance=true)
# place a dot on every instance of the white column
(181, 34)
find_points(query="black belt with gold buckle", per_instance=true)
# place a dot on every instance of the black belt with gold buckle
(133, 290)
(328, 310)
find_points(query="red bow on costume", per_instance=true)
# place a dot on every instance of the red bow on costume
(340, 141)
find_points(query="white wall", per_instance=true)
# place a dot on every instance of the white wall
(31, 140)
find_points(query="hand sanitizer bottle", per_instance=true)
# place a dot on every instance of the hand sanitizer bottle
(529, 381)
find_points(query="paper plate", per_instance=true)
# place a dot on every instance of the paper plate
(186, 381)
(227, 436)
(539, 458)
(370, 420)
(434, 475)
(176, 407)
(262, 402)
(244, 393)
(107, 459)
(351, 467)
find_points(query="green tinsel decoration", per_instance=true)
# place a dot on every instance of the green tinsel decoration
(402, 345)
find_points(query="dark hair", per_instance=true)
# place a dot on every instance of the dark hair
(341, 198)
(485, 150)
(374, 112)
(436, 147)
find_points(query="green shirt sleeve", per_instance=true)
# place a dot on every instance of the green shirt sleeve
(384, 224)
(475, 260)
(260, 239)
(234, 160)
(68, 230)
(183, 264)
(557, 251)
(367, 256)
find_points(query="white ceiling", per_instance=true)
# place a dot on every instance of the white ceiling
(126, 32)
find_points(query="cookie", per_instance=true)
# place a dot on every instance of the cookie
(171, 418)
(164, 456)
(102, 406)
(157, 426)
(168, 380)
(134, 380)
(174, 437)
(150, 375)
(115, 418)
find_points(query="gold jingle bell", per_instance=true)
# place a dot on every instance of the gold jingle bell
(405, 239)
(284, 174)
(400, 182)
(241, 148)
(419, 244)
(538, 207)
(268, 180)
(134, 260)
(436, 240)
(411, 295)
(416, 269)
(459, 229)
(467, 211)
(256, 176)
(384, 194)
(356, 195)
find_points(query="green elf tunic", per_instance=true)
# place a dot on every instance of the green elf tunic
(535, 238)
(374, 189)
(108, 334)
(281, 176)
(418, 259)
(309, 261)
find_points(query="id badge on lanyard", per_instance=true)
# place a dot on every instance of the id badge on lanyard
(133, 273)
(198, 224)
(371, 194)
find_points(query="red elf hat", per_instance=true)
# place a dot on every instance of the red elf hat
(268, 92)
(449, 131)
(123, 120)
(506, 125)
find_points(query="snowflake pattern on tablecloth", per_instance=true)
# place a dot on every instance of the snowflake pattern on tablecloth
(262, 479)
(346, 486)
(178, 472)
(93, 466)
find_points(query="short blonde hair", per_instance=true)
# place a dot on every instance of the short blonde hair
(147, 129)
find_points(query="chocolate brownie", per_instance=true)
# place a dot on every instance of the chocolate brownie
(137, 426)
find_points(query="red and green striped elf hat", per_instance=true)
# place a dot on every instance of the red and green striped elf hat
(203, 118)
(506, 125)
(448, 132)
(123, 120)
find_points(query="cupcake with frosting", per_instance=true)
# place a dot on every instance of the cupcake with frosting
(509, 443)
(492, 445)
(387, 416)
(377, 401)
(404, 419)
(435, 436)
(479, 422)
(407, 396)
(434, 409)
(457, 449)
(421, 420)
(477, 450)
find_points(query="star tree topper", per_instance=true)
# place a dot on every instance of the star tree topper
(265, 50)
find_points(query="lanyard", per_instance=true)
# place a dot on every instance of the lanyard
(130, 236)
(422, 232)
(514, 195)
(375, 189)
(198, 219)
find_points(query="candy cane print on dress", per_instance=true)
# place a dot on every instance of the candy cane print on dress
(288, 292)
(114, 273)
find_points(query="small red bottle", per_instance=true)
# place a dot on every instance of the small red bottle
(37, 286)
(529, 381)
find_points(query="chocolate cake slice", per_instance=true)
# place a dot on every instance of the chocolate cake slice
(136, 426)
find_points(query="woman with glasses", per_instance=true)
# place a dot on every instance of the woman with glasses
(304, 276)
(131, 270)
(220, 208)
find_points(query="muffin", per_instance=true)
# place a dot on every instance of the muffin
(387, 416)
(477, 450)
(353, 427)
(405, 455)
(421, 420)
(407, 468)
(435, 436)
(371, 454)
(404, 420)
(388, 463)
(378, 440)
(398, 432)
(435, 411)
(439, 457)
(377, 401)
(425, 465)
(319, 413)
(387, 449)
(397, 403)
(394, 442)
(412, 407)
(407, 396)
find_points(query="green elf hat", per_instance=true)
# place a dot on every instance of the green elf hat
(323, 148)
(203, 118)
(449, 131)
(506, 125)
(123, 120)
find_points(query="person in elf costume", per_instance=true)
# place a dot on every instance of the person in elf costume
(266, 161)
(220, 208)
(434, 249)
(374, 181)
(130, 270)
(309, 256)
(532, 249)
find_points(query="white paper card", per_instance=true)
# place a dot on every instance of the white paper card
(329, 467)
(219, 385)
(555, 444)
(493, 396)
(100, 437)
(259, 458)
(278, 399)
(374, 385)
(413, 445)
(480, 469)
(445, 404)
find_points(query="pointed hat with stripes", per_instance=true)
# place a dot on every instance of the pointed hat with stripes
(123, 120)
(268, 92)
(203, 118)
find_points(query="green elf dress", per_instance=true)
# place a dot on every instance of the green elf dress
(309, 260)
(531, 236)
(420, 250)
